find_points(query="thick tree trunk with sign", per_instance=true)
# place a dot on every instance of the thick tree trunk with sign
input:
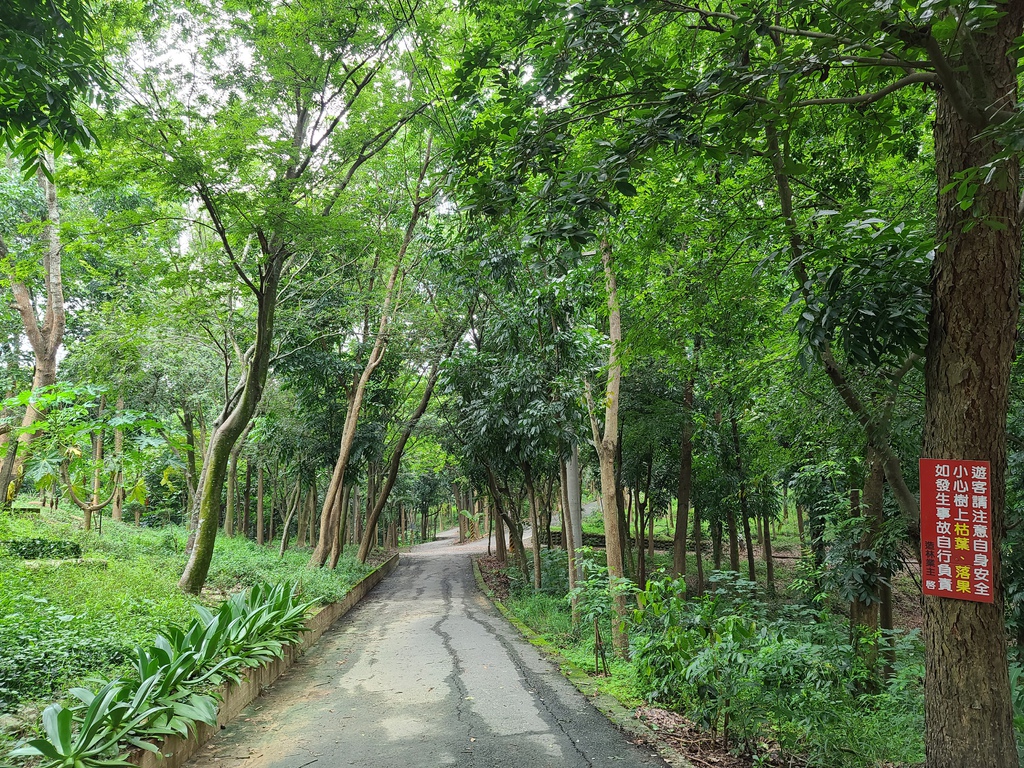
(972, 329)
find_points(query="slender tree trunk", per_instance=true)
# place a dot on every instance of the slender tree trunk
(607, 448)
(355, 403)
(394, 463)
(97, 469)
(697, 552)
(117, 511)
(535, 527)
(45, 338)
(300, 531)
(869, 506)
(292, 506)
(514, 527)
(259, 505)
(233, 421)
(232, 476)
(568, 539)
(734, 540)
(769, 561)
(500, 547)
(247, 499)
(716, 542)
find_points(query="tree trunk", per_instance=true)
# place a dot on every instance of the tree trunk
(515, 529)
(304, 516)
(394, 463)
(355, 400)
(291, 507)
(575, 501)
(117, 511)
(234, 419)
(500, 548)
(338, 518)
(535, 527)
(45, 339)
(568, 541)
(697, 553)
(734, 540)
(769, 562)
(716, 542)
(247, 499)
(232, 497)
(259, 505)
(869, 506)
(97, 469)
(744, 507)
(607, 447)
(971, 334)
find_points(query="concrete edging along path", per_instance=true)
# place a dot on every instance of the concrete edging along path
(175, 751)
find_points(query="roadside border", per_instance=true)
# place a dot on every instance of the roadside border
(175, 751)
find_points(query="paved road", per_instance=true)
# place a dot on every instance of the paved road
(424, 672)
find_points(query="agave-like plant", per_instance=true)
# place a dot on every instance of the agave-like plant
(246, 630)
(108, 719)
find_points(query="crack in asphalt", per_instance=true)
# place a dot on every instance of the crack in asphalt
(464, 714)
(366, 695)
(529, 681)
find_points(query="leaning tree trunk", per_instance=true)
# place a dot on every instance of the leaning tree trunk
(972, 328)
(237, 414)
(394, 463)
(328, 523)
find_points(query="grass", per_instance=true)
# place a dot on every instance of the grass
(61, 625)
(549, 618)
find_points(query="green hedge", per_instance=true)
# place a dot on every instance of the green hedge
(37, 549)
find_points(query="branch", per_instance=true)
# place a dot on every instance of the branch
(66, 477)
(869, 98)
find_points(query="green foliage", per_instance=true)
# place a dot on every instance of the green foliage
(595, 593)
(240, 563)
(788, 676)
(47, 62)
(59, 626)
(35, 549)
(164, 697)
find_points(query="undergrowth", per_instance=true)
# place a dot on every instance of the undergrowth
(768, 677)
(59, 625)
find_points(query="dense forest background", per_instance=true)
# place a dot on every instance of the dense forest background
(332, 274)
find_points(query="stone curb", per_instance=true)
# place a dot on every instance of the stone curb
(621, 716)
(175, 751)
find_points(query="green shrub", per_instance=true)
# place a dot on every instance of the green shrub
(788, 676)
(37, 549)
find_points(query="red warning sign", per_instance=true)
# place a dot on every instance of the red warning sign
(956, 529)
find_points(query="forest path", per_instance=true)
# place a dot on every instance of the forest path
(423, 672)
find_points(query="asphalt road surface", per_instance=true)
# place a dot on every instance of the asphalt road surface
(423, 672)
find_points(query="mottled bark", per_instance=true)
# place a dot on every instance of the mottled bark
(972, 328)
(607, 446)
